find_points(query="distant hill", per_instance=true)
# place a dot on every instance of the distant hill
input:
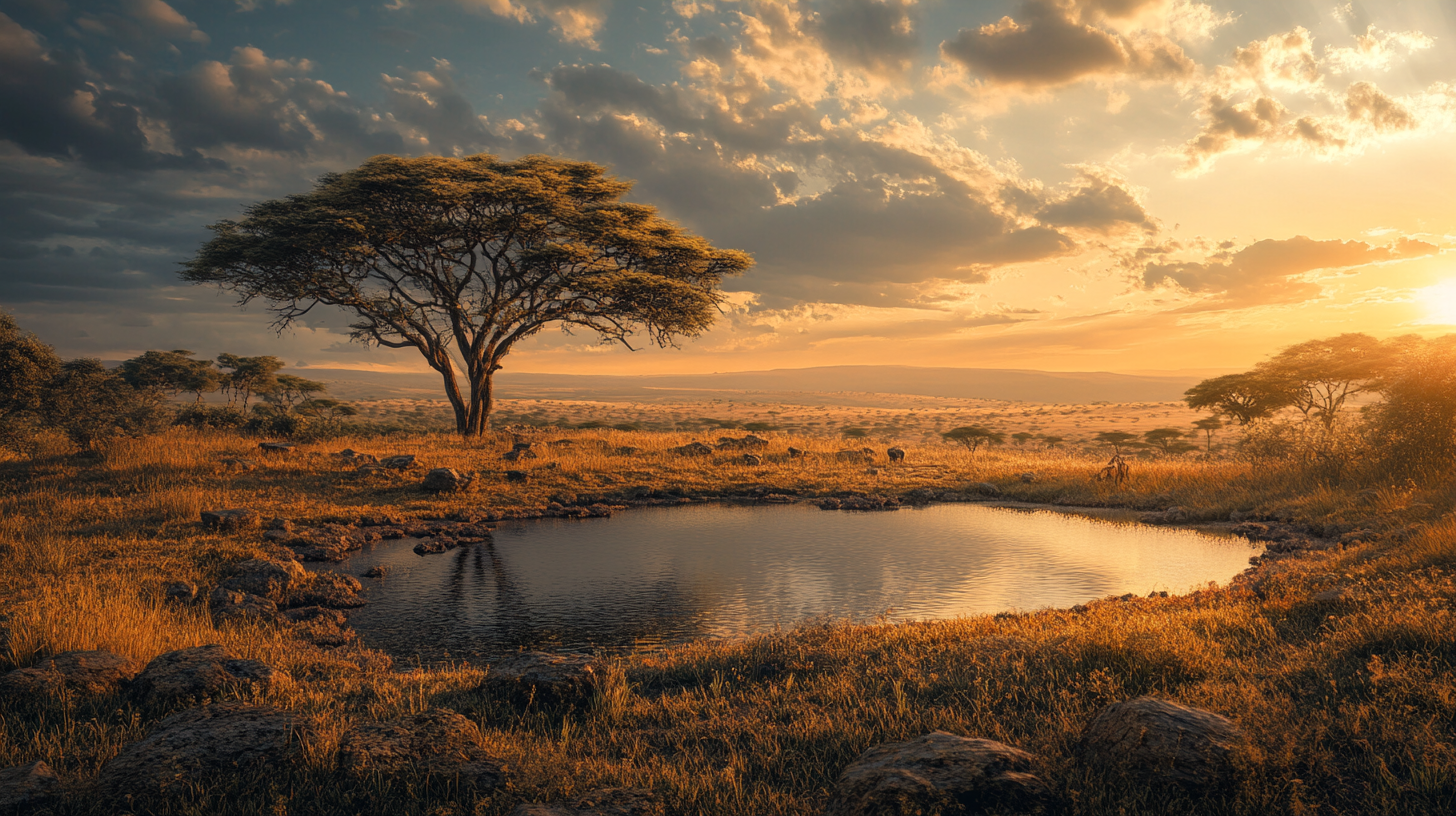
(967, 383)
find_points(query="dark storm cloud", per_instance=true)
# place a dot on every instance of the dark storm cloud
(879, 37)
(1048, 44)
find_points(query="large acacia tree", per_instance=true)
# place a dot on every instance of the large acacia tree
(463, 258)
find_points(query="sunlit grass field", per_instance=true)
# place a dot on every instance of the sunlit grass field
(1349, 704)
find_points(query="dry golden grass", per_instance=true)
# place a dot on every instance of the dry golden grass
(1349, 704)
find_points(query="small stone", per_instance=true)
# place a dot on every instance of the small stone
(938, 773)
(896, 454)
(986, 489)
(201, 671)
(225, 739)
(275, 447)
(85, 672)
(231, 605)
(267, 578)
(401, 462)
(445, 480)
(376, 571)
(437, 742)
(517, 476)
(1028, 477)
(24, 787)
(236, 519)
(1161, 742)
(693, 449)
(549, 679)
(752, 459)
(796, 453)
(180, 591)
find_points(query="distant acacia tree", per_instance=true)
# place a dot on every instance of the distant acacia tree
(247, 376)
(1165, 439)
(289, 391)
(1241, 397)
(89, 403)
(1209, 425)
(174, 372)
(327, 412)
(463, 258)
(974, 436)
(1052, 441)
(1116, 439)
(1021, 437)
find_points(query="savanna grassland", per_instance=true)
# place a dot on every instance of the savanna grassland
(1348, 697)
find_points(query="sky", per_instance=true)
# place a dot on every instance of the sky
(1110, 185)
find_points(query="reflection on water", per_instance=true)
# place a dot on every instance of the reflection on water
(666, 575)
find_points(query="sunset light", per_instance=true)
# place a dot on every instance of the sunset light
(728, 407)
(1439, 303)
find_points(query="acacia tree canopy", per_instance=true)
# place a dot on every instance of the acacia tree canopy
(463, 258)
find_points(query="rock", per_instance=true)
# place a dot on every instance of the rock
(517, 476)
(692, 449)
(437, 742)
(854, 501)
(320, 626)
(331, 589)
(201, 671)
(896, 454)
(280, 524)
(86, 672)
(202, 743)
(376, 571)
(275, 447)
(516, 455)
(267, 578)
(180, 591)
(986, 489)
(796, 453)
(603, 802)
(401, 462)
(938, 773)
(239, 463)
(26, 786)
(548, 679)
(874, 471)
(752, 459)
(1028, 477)
(237, 519)
(1158, 741)
(231, 605)
(445, 480)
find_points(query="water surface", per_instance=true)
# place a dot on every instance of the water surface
(655, 576)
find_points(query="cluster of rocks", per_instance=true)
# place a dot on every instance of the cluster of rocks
(195, 672)
(280, 590)
(1156, 744)
(336, 541)
(859, 501)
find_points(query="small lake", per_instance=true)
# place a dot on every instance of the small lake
(653, 576)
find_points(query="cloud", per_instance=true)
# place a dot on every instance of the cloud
(1100, 203)
(574, 21)
(1053, 45)
(877, 36)
(143, 22)
(1272, 271)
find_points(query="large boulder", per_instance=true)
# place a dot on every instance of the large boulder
(201, 671)
(438, 742)
(203, 743)
(1158, 741)
(240, 518)
(86, 672)
(445, 480)
(268, 578)
(401, 462)
(603, 802)
(27, 787)
(332, 589)
(938, 773)
(548, 679)
(692, 449)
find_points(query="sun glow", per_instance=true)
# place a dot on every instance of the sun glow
(1439, 303)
